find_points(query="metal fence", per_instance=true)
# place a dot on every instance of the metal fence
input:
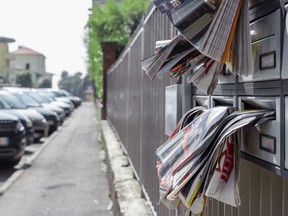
(136, 109)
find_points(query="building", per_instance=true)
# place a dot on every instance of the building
(5, 58)
(29, 61)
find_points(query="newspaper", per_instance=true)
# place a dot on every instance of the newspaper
(172, 154)
(154, 63)
(241, 62)
(171, 63)
(165, 5)
(202, 159)
(208, 24)
(207, 76)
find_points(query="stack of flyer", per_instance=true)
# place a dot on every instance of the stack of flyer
(206, 42)
(201, 157)
(208, 24)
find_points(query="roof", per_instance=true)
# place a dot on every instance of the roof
(22, 50)
(6, 40)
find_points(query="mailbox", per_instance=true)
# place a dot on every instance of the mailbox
(260, 8)
(286, 134)
(262, 142)
(173, 107)
(200, 100)
(226, 77)
(285, 48)
(266, 46)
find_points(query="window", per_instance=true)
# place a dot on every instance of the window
(27, 67)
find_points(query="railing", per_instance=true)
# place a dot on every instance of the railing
(135, 104)
(136, 109)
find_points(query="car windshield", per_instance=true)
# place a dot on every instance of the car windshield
(4, 104)
(65, 93)
(57, 94)
(46, 97)
(13, 101)
(50, 95)
(39, 97)
(27, 100)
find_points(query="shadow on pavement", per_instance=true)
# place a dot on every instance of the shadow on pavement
(5, 173)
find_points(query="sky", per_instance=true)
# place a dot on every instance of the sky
(55, 28)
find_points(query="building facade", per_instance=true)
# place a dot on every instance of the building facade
(5, 58)
(28, 61)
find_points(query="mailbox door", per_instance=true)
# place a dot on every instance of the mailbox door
(263, 142)
(266, 43)
(286, 134)
(285, 48)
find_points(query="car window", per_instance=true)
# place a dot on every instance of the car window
(57, 94)
(13, 101)
(4, 104)
(27, 100)
(46, 97)
(65, 93)
(36, 97)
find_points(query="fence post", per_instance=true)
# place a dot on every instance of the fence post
(109, 57)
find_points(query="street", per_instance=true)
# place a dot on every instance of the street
(65, 178)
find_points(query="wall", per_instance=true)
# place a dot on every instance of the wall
(37, 67)
(37, 63)
(3, 57)
(135, 108)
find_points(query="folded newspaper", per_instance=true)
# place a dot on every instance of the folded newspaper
(213, 33)
(208, 24)
(201, 157)
(178, 56)
(167, 57)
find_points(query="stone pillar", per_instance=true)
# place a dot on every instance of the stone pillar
(109, 57)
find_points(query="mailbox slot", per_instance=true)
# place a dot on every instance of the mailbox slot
(203, 101)
(266, 42)
(223, 101)
(262, 142)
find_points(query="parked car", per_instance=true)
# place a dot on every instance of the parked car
(51, 98)
(53, 118)
(12, 139)
(45, 100)
(40, 125)
(61, 93)
(26, 122)
(49, 106)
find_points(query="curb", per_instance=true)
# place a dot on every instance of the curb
(125, 190)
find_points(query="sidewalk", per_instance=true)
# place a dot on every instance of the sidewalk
(66, 177)
(125, 190)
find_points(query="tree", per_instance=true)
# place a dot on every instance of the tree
(24, 80)
(46, 83)
(72, 83)
(64, 74)
(116, 21)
